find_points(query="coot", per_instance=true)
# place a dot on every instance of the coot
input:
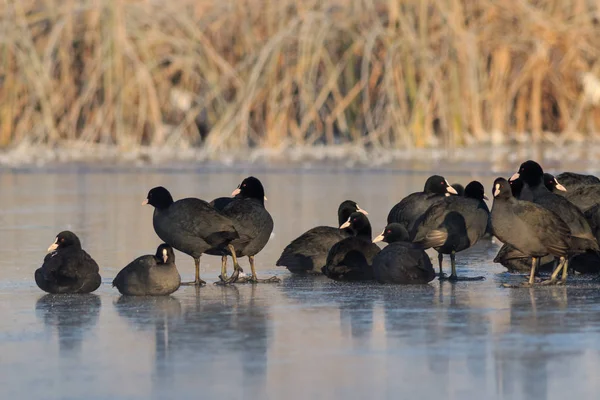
(150, 275)
(453, 225)
(460, 190)
(530, 228)
(67, 267)
(414, 205)
(401, 262)
(351, 259)
(190, 225)
(582, 238)
(308, 252)
(254, 225)
(572, 179)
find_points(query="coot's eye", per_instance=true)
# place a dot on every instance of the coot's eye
(442, 182)
(388, 231)
(62, 239)
(244, 185)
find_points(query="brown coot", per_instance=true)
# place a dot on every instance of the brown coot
(67, 267)
(308, 252)
(190, 225)
(150, 275)
(401, 262)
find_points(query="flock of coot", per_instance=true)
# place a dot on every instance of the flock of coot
(546, 224)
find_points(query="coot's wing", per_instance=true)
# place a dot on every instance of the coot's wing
(314, 242)
(138, 269)
(584, 197)
(430, 220)
(400, 212)
(221, 202)
(198, 218)
(250, 220)
(556, 234)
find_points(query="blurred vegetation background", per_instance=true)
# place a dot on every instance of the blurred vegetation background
(281, 73)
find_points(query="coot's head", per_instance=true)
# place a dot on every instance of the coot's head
(165, 254)
(501, 189)
(530, 172)
(346, 208)
(552, 184)
(474, 190)
(359, 223)
(438, 185)
(250, 188)
(460, 190)
(159, 197)
(394, 232)
(63, 240)
(516, 186)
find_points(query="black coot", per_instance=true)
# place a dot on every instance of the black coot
(308, 252)
(401, 262)
(583, 196)
(254, 225)
(351, 259)
(582, 238)
(572, 179)
(454, 224)
(460, 190)
(150, 275)
(530, 228)
(190, 225)
(413, 206)
(67, 267)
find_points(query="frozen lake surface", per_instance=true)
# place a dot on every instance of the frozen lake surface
(306, 337)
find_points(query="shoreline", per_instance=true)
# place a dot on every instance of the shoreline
(343, 158)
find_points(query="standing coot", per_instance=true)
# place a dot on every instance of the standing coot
(582, 238)
(530, 228)
(351, 259)
(308, 252)
(401, 262)
(413, 206)
(254, 225)
(190, 225)
(68, 268)
(150, 275)
(453, 225)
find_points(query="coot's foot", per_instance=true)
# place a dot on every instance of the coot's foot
(198, 282)
(442, 276)
(253, 279)
(454, 278)
(519, 286)
(551, 282)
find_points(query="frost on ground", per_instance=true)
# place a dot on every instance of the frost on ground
(500, 157)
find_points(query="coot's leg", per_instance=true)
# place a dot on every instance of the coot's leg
(223, 276)
(455, 277)
(565, 271)
(553, 281)
(254, 278)
(197, 281)
(441, 275)
(236, 269)
(535, 263)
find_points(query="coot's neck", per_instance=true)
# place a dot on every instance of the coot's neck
(365, 232)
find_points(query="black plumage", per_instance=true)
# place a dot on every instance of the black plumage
(572, 179)
(528, 227)
(150, 275)
(253, 223)
(583, 196)
(308, 252)
(413, 206)
(460, 190)
(351, 259)
(190, 225)
(582, 239)
(454, 224)
(517, 262)
(401, 262)
(68, 268)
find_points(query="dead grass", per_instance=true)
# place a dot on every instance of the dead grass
(273, 74)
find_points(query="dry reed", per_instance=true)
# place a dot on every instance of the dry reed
(276, 73)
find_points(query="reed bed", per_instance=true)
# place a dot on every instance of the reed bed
(271, 74)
